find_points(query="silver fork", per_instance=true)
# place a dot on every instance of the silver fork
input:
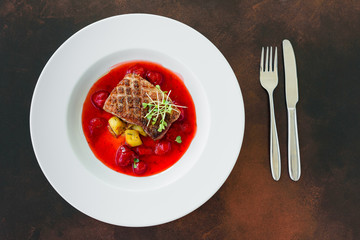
(269, 81)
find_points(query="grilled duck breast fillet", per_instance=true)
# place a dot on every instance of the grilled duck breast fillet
(126, 102)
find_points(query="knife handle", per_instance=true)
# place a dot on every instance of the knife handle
(275, 163)
(293, 146)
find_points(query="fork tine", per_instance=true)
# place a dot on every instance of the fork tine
(270, 64)
(262, 60)
(275, 60)
(267, 60)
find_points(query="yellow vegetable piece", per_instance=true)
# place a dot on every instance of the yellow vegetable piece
(132, 138)
(116, 126)
(139, 129)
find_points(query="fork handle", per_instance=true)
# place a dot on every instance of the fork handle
(274, 143)
(293, 146)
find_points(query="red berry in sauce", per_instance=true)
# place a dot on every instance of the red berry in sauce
(142, 150)
(137, 69)
(95, 124)
(154, 77)
(98, 98)
(182, 114)
(125, 156)
(185, 127)
(162, 147)
(139, 167)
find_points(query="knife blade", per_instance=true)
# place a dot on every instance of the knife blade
(291, 81)
(292, 97)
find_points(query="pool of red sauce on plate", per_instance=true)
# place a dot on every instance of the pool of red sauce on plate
(104, 145)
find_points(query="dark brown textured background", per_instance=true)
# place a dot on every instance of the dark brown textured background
(324, 204)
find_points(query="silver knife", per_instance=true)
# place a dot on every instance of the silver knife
(292, 97)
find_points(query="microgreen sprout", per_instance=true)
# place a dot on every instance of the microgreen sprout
(136, 161)
(178, 139)
(158, 109)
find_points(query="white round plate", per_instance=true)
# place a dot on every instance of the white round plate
(61, 148)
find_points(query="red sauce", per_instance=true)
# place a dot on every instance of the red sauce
(104, 145)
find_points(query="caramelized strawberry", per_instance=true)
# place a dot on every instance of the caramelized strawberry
(139, 167)
(96, 125)
(154, 77)
(124, 156)
(137, 69)
(162, 147)
(98, 98)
